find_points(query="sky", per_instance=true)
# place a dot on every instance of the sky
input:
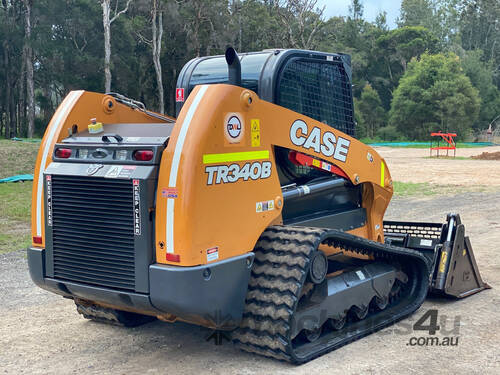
(371, 9)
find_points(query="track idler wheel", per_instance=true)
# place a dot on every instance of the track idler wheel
(318, 267)
(381, 302)
(312, 335)
(360, 312)
(337, 324)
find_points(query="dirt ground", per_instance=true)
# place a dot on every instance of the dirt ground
(415, 165)
(41, 333)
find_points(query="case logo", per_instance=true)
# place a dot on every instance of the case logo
(325, 143)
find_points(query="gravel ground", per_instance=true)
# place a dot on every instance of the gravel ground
(414, 165)
(41, 333)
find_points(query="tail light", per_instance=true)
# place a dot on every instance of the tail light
(143, 155)
(37, 240)
(63, 153)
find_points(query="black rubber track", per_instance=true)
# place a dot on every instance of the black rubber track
(279, 274)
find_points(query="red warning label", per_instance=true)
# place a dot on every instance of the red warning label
(179, 95)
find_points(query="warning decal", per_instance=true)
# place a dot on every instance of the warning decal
(49, 200)
(264, 206)
(212, 254)
(179, 95)
(137, 208)
(255, 132)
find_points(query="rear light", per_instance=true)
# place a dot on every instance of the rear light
(143, 155)
(173, 257)
(37, 240)
(63, 153)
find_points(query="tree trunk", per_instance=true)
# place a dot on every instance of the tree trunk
(107, 43)
(157, 29)
(30, 85)
(106, 22)
(9, 121)
(21, 102)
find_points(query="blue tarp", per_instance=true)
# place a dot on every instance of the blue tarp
(19, 177)
(25, 140)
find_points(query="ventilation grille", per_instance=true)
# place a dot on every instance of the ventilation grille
(319, 90)
(422, 230)
(93, 231)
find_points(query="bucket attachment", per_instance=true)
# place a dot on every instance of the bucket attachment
(454, 270)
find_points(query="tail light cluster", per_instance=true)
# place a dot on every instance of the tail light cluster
(63, 153)
(138, 155)
(143, 155)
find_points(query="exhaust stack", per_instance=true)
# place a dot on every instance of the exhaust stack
(233, 67)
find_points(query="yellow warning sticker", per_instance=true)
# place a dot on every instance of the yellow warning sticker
(255, 132)
(316, 163)
(442, 264)
(264, 206)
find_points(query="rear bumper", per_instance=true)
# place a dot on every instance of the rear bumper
(212, 295)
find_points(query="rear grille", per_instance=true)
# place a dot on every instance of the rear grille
(93, 231)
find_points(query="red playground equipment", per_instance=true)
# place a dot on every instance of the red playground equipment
(446, 137)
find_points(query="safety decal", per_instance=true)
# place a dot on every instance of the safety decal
(212, 254)
(137, 208)
(322, 165)
(234, 127)
(126, 171)
(326, 142)
(179, 95)
(48, 178)
(369, 157)
(255, 132)
(264, 206)
(169, 193)
(217, 174)
(361, 275)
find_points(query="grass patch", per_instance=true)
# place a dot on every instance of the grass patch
(15, 198)
(423, 189)
(15, 215)
(12, 242)
(15, 201)
(17, 157)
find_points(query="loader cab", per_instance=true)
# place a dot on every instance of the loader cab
(315, 84)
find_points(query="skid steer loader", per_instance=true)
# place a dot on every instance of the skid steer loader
(255, 211)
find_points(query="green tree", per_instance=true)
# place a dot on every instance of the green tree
(434, 94)
(372, 115)
(480, 29)
(391, 53)
(481, 77)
